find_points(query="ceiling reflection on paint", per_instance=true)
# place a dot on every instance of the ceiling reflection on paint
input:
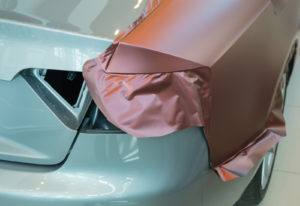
(105, 18)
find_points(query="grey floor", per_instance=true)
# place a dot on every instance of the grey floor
(284, 189)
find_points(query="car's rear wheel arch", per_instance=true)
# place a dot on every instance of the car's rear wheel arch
(254, 193)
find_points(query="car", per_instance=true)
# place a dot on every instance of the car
(158, 102)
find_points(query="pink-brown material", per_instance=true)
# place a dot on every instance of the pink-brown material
(140, 60)
(248, 157)
(132, 85)
(153, 104)
(152, 81)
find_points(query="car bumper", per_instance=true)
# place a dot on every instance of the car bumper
(118, 169)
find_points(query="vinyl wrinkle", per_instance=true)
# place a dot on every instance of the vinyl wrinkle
(152, 91)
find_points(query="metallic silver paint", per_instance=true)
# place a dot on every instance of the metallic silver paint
(71, 116)
(115, 169)
(102, 18)
(29, 131)
(25, 46)
(57, 34)
(121, 170)
(267, 167)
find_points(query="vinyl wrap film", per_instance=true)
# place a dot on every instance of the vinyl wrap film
(246, 158)
(147, 93)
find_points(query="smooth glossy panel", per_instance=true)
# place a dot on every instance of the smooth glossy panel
(103, 18)
(118, 169)
(112, 167)
(24, 46)
(29, 131)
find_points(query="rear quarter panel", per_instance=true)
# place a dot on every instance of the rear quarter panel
(245, 79)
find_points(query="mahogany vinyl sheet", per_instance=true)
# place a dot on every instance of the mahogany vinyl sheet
(159, 76)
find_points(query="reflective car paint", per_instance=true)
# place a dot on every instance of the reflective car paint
(25, 46)
(29, 131)
(121, 170)
(105, 18)
(32, 35)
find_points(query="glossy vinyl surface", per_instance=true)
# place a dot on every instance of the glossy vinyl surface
(102, 18)
(134, 101)
(242, 100)
(118, 169)
(29, 131)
